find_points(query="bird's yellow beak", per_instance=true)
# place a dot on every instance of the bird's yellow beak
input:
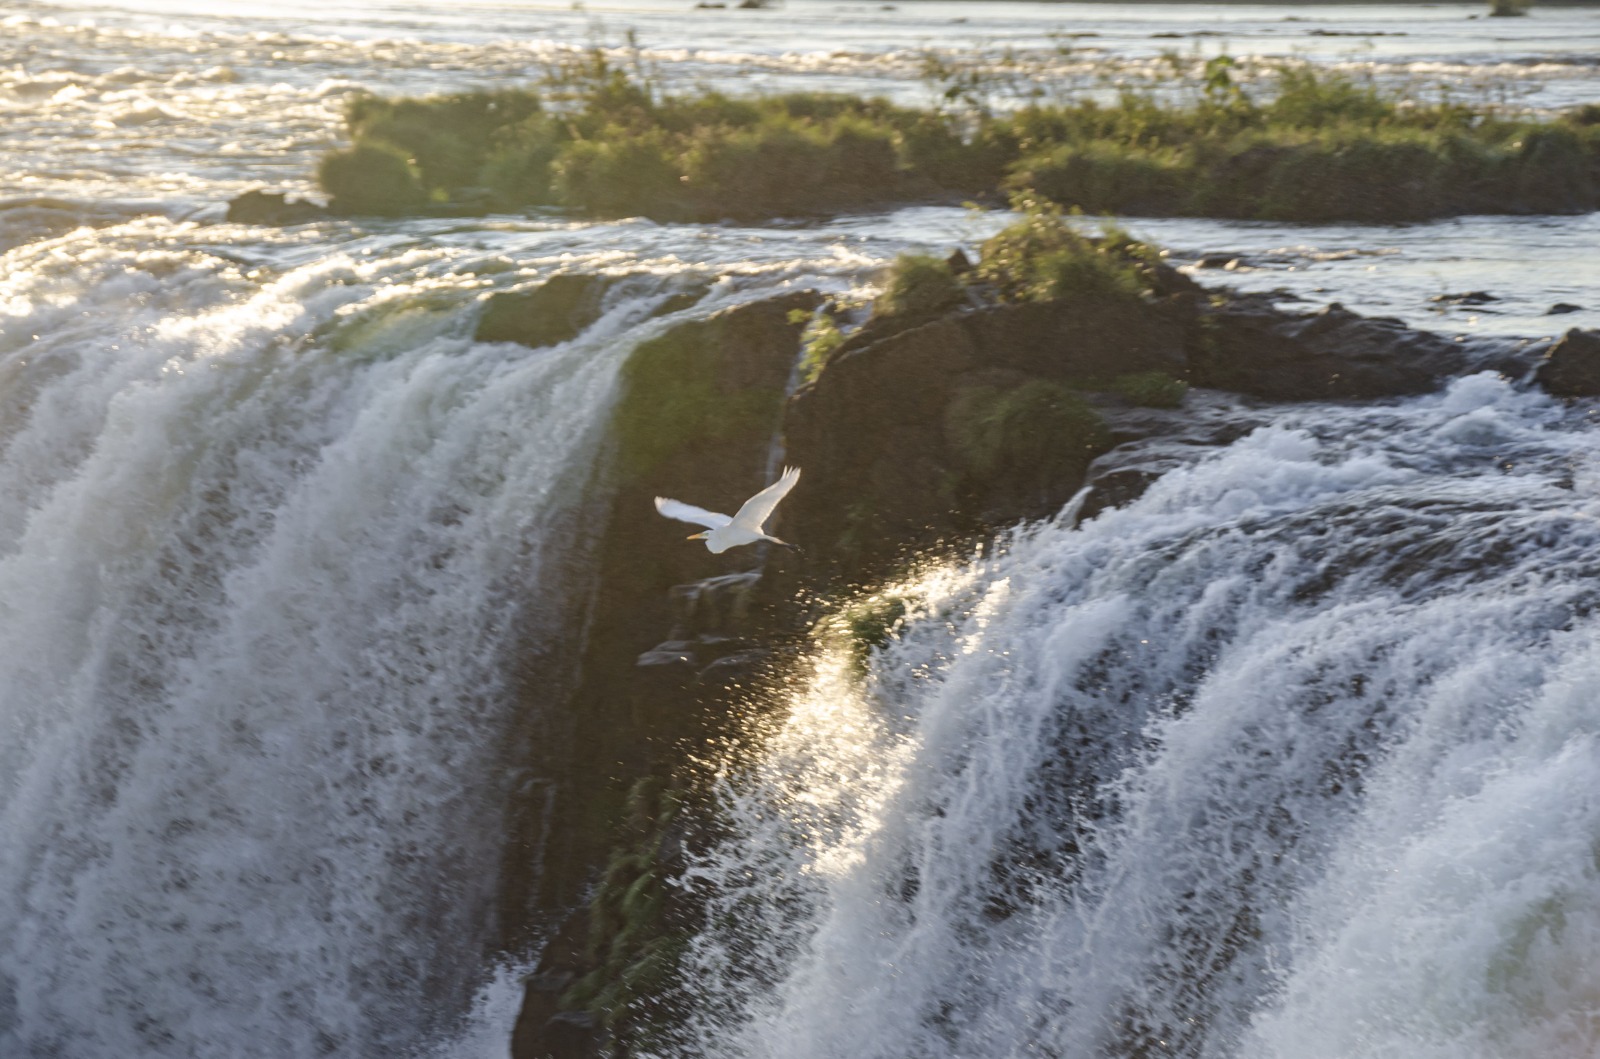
(702, 535)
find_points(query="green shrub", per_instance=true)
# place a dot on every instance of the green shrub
(817, 343)
(931, 149)
(371, 178)
(1555, 173)
(1318, 147)
(1043, 257)
(775, 167)
(1151, 389)
(1394, 177)
(1311, 100)
(517, 168)
(447, 137)
(1106, 177)
(618, 174)
(918, 285)
(788, 165)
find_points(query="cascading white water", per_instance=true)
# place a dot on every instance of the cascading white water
(1294, 756)
(270, 531)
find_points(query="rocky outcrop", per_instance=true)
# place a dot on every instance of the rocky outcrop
(1249, 347)
(897, 434)
(1572, 366)
(671, 632)
(918, 433)
(272, 208)
(563, 306)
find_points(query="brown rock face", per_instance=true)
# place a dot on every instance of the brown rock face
(266, 207)
(1572, 367)
(896, 433)
(1251, 348)
(561, 307)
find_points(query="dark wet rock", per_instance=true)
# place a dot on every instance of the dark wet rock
(1572, 367)
(687, 297)
(1221, 261)
(563, 306)
(560, 963)
(671, 654)
(1252, 348)
(267, 207)
(889, 421)
(1561, 308)
(714, 607)
(635, 697)
(958, 262)
(557, 310)
(1116, 489)
(573, 1035)
(1471, 297)
(735, 670)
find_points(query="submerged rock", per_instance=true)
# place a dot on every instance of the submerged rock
(268, 207)
(1572, 367)
(1471, 297)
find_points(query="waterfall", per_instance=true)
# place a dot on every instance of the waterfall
(1295, 755)
(276, 536)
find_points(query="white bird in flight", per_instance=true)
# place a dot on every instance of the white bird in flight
(722, 532)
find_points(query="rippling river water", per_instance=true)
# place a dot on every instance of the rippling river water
(261, 497)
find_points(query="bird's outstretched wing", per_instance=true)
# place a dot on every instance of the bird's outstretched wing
(758, 508)
(689, 513)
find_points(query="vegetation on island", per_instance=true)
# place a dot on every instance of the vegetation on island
(1295, 144)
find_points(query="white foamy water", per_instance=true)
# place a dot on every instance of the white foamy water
(1294, 756)
(274, 539)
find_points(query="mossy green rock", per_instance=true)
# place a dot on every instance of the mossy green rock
(373, 179)
(555, 311)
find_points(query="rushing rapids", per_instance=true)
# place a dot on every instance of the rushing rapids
(1293, 756)
(272, 532)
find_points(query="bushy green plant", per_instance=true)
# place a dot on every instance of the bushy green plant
(1043, 256)
(1319, 146)
(1107, 177)
(818, 342)
(1395, 175)
(1312, 100)
(447, 137)
(371, 178)
(1151, 389)
(617, 174)
(918, 285)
